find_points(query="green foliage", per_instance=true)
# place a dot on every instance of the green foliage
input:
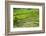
(25, 17)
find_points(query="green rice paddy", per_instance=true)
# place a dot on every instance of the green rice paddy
(25, 17)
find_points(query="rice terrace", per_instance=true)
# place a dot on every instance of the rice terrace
(25, 17)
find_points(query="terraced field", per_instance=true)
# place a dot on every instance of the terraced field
(25, 17)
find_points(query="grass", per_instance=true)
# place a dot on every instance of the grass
(25, 17)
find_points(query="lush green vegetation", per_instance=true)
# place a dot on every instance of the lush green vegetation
(25, 17)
